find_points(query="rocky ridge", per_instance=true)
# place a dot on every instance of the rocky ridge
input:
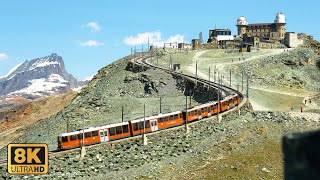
(37, 78)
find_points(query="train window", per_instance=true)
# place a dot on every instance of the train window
(94, 133)
(176, 116)
(171, 117)
(188, 113)
(112, 131)
(64, 138)
(160, 120)
(165, 118)
(80, 136)
(147, 124)
(141, 125)
(208, 109)
(119, 130)
(202, 110)
(135, 126)
(199, 112)
(192, 113)
(205, 109)
(87, 134)
(73, 137)
(125, 128)
(180, 115)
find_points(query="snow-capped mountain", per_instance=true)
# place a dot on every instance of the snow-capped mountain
(39, 77)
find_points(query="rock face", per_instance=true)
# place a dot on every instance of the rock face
(41, 76)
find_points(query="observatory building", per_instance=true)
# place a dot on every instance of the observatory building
(265, 31)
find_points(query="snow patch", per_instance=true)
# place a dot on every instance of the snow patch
(56, 77)
(39, 85)
(11, 71)
(43, 63)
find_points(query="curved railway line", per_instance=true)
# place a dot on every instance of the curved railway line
(144, 63)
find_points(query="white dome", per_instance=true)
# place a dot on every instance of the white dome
(242, 21)
(280, 18)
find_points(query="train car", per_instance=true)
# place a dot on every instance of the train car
(198, 112)
(137, 127)
(170, 120)
(114, 131)
(93, 135)
(229, 102)
(214, 108)
(75, 139)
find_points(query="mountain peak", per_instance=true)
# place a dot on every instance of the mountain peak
(38, 77)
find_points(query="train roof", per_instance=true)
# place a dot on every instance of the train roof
(230, 96)
(93, 129)
(155, 116)
(201, 105)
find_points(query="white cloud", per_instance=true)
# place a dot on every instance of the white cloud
(3, 56)
(154, 39)
(91, 43)
(93, 26)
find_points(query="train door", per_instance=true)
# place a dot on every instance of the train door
(104, 136)
(154, 125)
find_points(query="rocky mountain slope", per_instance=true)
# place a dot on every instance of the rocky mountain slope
(245, 146)
(17, 120)
(101, 101)
(36, 78)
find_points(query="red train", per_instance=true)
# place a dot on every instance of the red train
(152, 123)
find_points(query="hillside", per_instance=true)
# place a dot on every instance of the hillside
(16, 121)
(101, 101)
(242, 146)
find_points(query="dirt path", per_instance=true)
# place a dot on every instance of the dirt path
(255, 100)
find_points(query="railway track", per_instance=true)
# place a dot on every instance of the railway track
(144, 62)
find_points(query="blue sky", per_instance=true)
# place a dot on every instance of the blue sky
(91, 34)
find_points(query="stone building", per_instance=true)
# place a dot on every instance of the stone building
(292, 40)
(266, 31)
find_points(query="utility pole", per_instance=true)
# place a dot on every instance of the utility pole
(82, 130)
(230, 78)
(247, 87)
(218, 100)
(83, 149)
(122, 113)
(242, 82)
(186, 116)
(214, 74)
(160, 104)
(196, 69)
(134, 54)
(144, 137)
(209, 85)
(148, 44)
(170, 61)
(131, 51)
(67, 124)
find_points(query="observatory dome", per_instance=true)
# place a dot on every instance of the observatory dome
(280, 18)
(242, 21)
